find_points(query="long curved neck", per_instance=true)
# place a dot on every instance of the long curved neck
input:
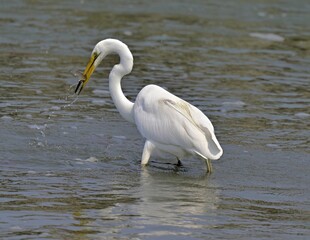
(123, 105)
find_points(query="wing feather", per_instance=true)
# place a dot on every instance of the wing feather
(192, 114)
(166, 119)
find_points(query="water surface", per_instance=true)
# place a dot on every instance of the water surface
(71, 170)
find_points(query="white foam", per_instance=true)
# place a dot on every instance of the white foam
(40, 144)
(128, 33)
(302, 115)
(272, 145)
(38, 127)
(6, 118)
(234, 103)
(91, 159)
(100, 92)
(120, 137)
(99, 102)
(55, 108)
(262, 14)
(89, 118)
(16, 228)
(268, 36)
(50, 175)
(28, 116)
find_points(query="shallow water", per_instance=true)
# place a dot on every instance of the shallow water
(70, 170)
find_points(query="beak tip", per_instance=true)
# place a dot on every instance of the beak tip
(86, 75)
(79, 87)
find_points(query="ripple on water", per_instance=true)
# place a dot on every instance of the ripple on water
(37, 127)
(99, 92)
(272, 145)
(232, 105)
(302, 115)
(55, 108)
(92, 159)
(268, 36)
(6, 118)
(100, 102)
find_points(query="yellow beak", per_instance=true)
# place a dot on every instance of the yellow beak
(90, 68)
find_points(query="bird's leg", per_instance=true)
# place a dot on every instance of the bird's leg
(209, 166)
(179, 164)
(147, 151)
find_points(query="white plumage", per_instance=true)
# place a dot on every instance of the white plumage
(168, 123)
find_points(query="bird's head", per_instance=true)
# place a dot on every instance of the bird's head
(101, 50)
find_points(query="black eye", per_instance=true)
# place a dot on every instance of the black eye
(95, 55)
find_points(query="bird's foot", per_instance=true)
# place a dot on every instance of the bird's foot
(179, 163)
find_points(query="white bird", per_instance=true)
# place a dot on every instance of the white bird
(168, 123)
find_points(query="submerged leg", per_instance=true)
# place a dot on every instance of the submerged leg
(179, 164)
(147, 152)
(208, 162)
(209, 166)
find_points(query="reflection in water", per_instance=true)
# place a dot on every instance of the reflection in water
(176, 195)
(176, 201)
(169, 204)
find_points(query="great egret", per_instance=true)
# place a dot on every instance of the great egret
(168, 123)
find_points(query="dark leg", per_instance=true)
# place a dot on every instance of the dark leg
(179, 164)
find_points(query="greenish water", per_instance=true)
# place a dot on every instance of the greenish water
(71, 170)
